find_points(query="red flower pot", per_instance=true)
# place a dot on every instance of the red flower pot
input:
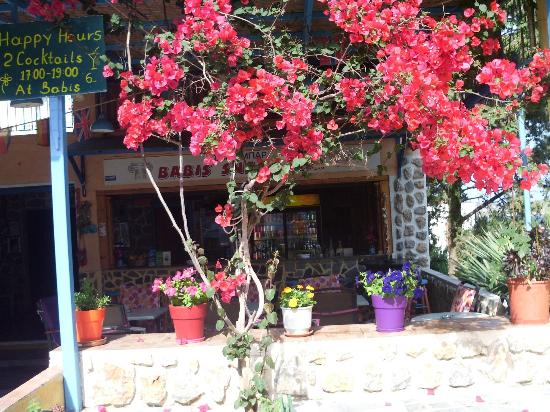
(188, 323)
(89, 325)
(529, 301)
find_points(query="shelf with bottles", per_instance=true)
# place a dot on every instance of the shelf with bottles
(266, 248)
(270, 227)
(301, 223)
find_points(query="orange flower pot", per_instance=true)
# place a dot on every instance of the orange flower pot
(89, 325)
(188, 323)
(529, 301)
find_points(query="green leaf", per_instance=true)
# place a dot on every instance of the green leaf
(272, 318)
(263, 324)
(221, 312)
(210, 292)
(298, 162)
(220, 324)
(259, 383)
(269, 362)
(253, 197)
(269, 294)
(483, 8)
(266, 341)
(286, 169)
(258, 367)
(275, 167)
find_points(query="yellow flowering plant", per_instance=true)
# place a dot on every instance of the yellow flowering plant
(297, 297)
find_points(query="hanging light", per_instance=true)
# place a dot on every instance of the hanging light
(26, 103)
(102, 124)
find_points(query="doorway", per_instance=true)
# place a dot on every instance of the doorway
(40, 246)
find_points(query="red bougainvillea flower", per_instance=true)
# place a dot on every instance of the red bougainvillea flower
(469, 12)
(225, 216)
(226, 286)
(51, 10)
(415, 84)
(263, 174)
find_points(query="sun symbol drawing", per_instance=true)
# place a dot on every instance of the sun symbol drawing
(5, 80)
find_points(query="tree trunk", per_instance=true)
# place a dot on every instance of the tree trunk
(454, 222)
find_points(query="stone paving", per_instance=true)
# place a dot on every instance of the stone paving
(516, 399)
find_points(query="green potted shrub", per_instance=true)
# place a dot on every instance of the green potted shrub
(527, 264)
(90, 312)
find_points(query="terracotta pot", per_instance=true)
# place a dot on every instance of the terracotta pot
(89, 325)
(188, 323)
(529, 302)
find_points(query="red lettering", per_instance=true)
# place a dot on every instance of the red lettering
(198, 171)
(163, 172)
(175, 171)
(240, 168)
(187, 171)
(206, 171)
(225, 169)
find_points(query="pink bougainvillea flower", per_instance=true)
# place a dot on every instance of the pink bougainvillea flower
(331, 125)
(107, 71)
(263, 174)
(469, 12)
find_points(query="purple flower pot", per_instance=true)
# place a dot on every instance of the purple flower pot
(389, 313)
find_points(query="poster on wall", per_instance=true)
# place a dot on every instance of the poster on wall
(128, 171)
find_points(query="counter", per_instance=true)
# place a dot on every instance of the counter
(110, 280)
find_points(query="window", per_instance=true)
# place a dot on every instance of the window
(23, 121)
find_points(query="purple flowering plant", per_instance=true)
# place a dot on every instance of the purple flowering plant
(182, 289)
(394, 282)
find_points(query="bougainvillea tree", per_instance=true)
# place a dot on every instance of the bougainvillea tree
(228, 79)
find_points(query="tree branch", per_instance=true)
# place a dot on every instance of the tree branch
(483, 206)
(186, 242)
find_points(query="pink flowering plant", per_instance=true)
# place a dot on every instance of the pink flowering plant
(229, 76)
(182, 289)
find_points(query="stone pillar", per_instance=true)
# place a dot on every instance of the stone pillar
(410, 212)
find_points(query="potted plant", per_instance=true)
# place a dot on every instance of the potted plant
(187, 304)
(297, 304)
(90, 312)
(390, 292)
(527, 263)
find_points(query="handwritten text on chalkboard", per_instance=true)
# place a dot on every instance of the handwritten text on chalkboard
(40, 59)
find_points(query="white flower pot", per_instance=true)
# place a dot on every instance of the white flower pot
(297, 321)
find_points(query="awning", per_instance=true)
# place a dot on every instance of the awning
(114, 145)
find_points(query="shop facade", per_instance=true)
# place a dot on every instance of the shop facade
(343, 215)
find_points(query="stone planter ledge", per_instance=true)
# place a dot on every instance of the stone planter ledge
(137, 372)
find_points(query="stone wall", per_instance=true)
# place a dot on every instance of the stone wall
(112, 280)
(409, 211)
(352, 361)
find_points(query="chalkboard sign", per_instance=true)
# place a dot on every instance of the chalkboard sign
(42, 59)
